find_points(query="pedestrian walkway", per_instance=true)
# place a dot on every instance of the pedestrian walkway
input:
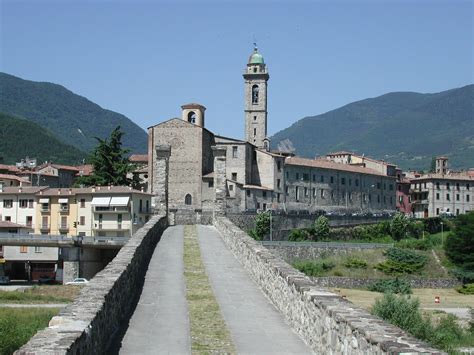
(254, 323)
(160, 324)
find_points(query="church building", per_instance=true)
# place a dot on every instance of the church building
(255, 177)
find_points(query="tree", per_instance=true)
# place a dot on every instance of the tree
(262, 226)
(321, 228)
(459, 245)
(109, 162)
(398, 226)
(433, 165)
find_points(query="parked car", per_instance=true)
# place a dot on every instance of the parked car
(46, 280)
(78, 281)
(4, 280)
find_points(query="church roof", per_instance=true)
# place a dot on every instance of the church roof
(255, 57)
(193, 105)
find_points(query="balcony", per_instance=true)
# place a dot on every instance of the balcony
(63, 226)
(64, 209)
(112, 226)
(44, 226)
(420, 202)
(111, 209)
(44, 209)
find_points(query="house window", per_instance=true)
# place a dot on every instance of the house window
(447, 186)
(350, 182)
(279, 165)
(278, 183)
(286, 190)
(278, 197)
(350, 196)
(188, 200)
(457, 211)
(457, 197)
(248, 193)
(254, 132)
(255, 94)
(264, 194)
(467, 186)
(254, 118)
(467, 198)
(23, 203)
(332, 195)
(378, 198)
(37, 249)
(457, 186)
(234, 151)
(23, 249)
(437, 211)
(30, 203)
(29, 221)
(378, 185)
(297, 193)
(305, 177)
(7, 203)
(437, 195)
(210, 183)
(390, 187)
(314, 192)
(234, 176)
(322, 193)
(357, 182)
(192, 117)
(306, 192)
(437, 186)
(322, 178)
(82, 220)
(297, 176)
(332, 179)
(343, 181)
(83, 203)
(8, 219)
(447, 197)
(231, 187)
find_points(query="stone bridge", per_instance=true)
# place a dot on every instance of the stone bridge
(137, 304)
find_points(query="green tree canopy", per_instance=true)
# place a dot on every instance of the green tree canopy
(109, 161)
(460, 244)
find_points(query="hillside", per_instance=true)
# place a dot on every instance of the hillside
(405, 128)
(20, 138)
(73, 119)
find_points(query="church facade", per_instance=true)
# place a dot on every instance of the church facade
(256, 178)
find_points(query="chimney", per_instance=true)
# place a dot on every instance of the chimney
(70, 191)
(20, 190)
(59, 191)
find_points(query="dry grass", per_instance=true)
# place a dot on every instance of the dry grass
(450, 298)
(209, 334)
(41, 294)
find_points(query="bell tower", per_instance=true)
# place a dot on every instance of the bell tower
(256, 78)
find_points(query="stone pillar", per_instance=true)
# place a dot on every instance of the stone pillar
(71, 263)
(220, 180)
(160, 179)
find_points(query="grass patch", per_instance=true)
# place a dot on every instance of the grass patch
(345, 265)
(18, 325)
(209, 333)
(41, 294)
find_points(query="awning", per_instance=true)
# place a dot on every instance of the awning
(119, 201)
(44, 200)
(100, 201)
(63, 200)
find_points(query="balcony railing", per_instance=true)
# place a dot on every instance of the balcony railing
(63, 226)
(44, 226)
(118, 209)
(112, 226)
(64, 209)
(45, 209)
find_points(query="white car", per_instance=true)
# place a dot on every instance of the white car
(78, 281)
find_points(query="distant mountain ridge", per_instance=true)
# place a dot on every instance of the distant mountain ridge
(73, 119)
(20, 138)
(405, 128)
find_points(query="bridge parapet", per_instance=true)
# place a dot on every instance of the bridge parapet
(328, 323)
(92, 323)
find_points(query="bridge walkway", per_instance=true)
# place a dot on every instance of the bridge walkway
(160, 324)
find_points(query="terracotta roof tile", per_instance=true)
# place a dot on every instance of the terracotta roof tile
(327, 164)
(138, 158)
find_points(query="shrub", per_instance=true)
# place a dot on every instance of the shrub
(321, 228)
(262, 226)
(459, 246)
(467, 289)
(297, 235)
(355, 263)
(313, 268)
(401, 261)
(405, 313)
(391, 286)
(419, 244)
(432, 225)
(399, 226)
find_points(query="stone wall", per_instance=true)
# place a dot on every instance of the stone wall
(291, 251)
(284, 223)
(95, 321)
(327, 323)
(351, 282)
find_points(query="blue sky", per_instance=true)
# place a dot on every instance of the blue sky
(146, 58)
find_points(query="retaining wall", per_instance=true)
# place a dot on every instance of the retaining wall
(351, 282)
(96, 319)
(292, 251)
(327, 323)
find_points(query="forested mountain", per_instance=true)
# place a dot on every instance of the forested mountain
(405, 128)
(20, 138)
(73, 119)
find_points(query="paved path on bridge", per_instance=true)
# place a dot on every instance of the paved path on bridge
(160, 324)
(255, 324)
